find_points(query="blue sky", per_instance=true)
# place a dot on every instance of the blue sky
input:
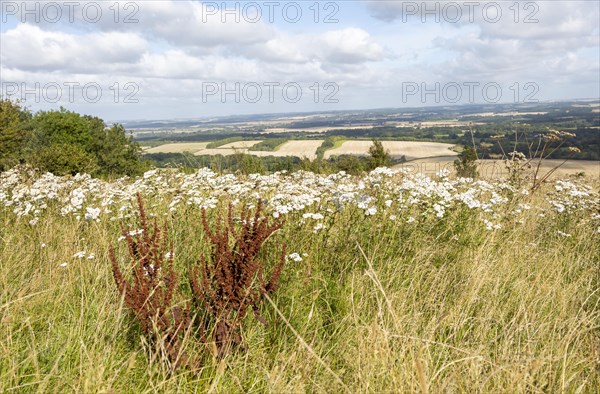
(192, 59)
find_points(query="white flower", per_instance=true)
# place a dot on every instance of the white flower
(92, 213)
(149, 174)
(439, 210)
(371, 211)
(294, 257)
(133, 233)
(80, 255)
(63, 265)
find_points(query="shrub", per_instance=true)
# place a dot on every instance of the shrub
(379, 155)
(466, 164)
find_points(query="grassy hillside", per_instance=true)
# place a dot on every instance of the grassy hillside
(400, 284)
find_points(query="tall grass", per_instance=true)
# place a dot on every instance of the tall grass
(375, 306)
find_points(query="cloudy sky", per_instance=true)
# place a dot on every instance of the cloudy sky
(190, 59)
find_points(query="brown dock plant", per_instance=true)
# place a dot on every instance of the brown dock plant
(233, 278)
(149, 293)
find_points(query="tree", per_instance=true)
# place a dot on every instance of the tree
(466, 164)
(65, 142)
(14, 133)
(379, 156)
(115, 152)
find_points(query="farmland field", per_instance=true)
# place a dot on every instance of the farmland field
(178, 147)
(493, 169)
(391, 283)
(240, 145)
(298, 148)
(306, 148)
(410, 149)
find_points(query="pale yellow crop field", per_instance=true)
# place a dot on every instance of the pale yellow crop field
(298, 148)
(179, 147)
(322, 129)
(239, 145)
(410, 149)
(494, 169)
(220, 151)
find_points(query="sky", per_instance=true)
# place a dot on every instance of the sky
(180, 59)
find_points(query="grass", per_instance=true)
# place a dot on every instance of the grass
(376, 306)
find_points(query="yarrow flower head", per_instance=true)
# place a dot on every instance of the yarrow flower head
(294, 257)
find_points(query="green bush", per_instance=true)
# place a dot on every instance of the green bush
(379, 156)
(466, 164)
(64, 159)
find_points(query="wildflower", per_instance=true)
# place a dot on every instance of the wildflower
(63, 265)
(294, 257)
(563, 234)
(371, 211)
(80, 255)
(315, 216)
(134, 233)
(92, 214)
(439, 210)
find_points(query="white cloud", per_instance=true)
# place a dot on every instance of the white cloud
(30, 48)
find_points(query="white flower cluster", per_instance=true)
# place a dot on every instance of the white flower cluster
(383, 194)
